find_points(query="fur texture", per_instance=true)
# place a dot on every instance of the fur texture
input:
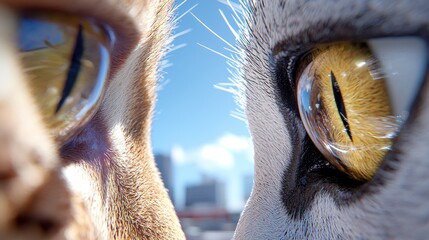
(290, 199)
(103, 183)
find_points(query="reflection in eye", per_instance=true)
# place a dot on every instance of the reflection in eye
(346, 109)
(66, 60)
(52, 34)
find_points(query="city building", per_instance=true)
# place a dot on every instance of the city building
(165, 166)
(209, 193)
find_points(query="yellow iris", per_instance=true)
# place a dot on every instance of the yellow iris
(349, 110)
(66, 61)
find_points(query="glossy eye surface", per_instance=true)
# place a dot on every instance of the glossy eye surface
(66, 60)
(345, 105)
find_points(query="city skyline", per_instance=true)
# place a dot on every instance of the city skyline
(178, 193)
(193, 120)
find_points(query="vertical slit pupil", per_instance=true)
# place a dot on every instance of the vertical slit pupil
(74, 69)
(340, 104)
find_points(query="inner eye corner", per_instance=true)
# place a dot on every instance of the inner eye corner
(301, 60)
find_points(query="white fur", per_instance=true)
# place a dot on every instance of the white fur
(399, 208)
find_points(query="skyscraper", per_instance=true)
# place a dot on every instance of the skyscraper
(165, 166)
(210, 193)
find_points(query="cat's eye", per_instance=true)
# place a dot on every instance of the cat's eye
(353, 98)
(66, 60)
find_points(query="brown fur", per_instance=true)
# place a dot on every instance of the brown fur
(114, 192)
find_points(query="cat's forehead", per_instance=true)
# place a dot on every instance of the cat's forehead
(295, 22)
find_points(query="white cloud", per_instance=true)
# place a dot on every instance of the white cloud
(212, 155)
(218, 155)
(178, 154)
(234, 142)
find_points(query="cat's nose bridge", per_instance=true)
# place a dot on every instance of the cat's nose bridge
(20, 122)
(27, 154)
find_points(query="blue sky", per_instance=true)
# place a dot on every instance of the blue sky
(193, 119)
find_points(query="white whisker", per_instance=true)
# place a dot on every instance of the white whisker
(235, 84)
(181, 33)
(174, 48)
(229, 25)
(185, 13)
(230, 50)
(213, 32)
(238, 21)
(239, 114)
(225, 89)
(218, 53)
(228, 87)
(179, 5)
(236, 9)
(227, 84)
(232, 88)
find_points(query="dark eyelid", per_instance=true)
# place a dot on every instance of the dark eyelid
(107, 14)
(336, 21)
